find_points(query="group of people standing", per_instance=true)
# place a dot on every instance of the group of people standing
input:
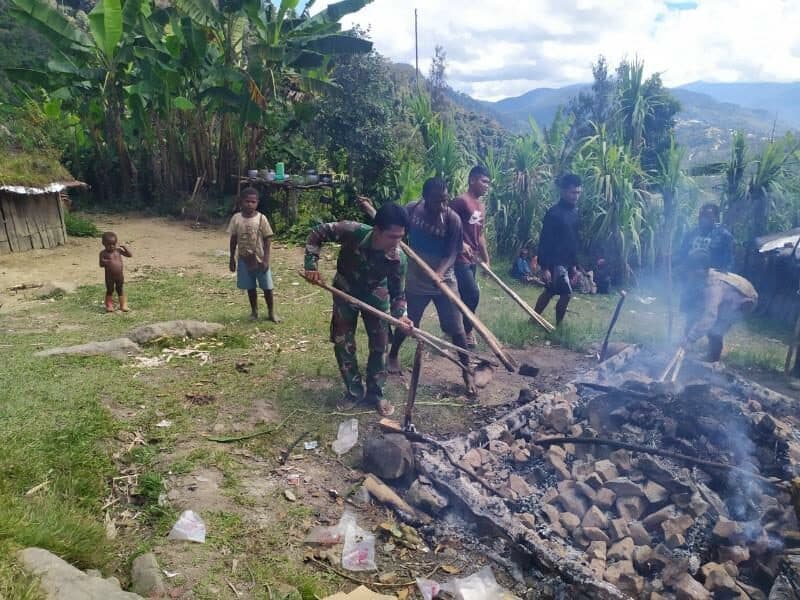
(449, 236)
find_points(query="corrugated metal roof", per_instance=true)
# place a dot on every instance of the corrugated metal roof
(36, 191)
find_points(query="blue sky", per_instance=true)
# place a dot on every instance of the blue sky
(497, 49)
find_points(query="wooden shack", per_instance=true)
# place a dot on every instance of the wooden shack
(31, 210)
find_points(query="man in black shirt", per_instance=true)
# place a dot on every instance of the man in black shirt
(558, 247)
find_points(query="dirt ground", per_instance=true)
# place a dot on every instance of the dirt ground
(154, 242)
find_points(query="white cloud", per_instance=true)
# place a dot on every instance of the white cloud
(497, 49)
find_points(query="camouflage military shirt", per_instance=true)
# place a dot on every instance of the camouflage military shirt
(374, 276)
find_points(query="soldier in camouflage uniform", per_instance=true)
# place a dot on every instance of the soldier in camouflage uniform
(372, 268)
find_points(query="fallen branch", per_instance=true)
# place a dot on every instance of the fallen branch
(248, 436)
(387, 495)
(400, 584)
(657, 452)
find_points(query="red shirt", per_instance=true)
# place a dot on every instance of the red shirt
(472, 213)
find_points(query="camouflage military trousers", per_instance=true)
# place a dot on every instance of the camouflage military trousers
(343, 336)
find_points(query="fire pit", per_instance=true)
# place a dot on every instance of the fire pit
(620, 487)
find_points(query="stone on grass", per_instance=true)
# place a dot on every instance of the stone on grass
(146, 578)
(120, 348)
(173, 329)
(388, 456)
(59, 580)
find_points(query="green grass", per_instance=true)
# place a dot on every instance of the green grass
(78, 226)
(56, 423)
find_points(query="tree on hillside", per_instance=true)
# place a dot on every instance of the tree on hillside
(437, 81)
(356, 121)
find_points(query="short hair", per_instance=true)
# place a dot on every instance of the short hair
(434, 185)
(478, 171)
(108, 237)
(390, 215)
(570, 180)
(248, 191)
(711, 207)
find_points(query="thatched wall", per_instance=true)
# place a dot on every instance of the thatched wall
(30, 221)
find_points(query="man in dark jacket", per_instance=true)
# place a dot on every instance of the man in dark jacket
(558, 247)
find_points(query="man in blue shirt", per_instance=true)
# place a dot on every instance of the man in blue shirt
(435, 234)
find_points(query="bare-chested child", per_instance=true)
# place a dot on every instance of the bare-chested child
(111, 261)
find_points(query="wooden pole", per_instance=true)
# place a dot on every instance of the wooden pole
(540, 320)
(614, 318)
(508, 362)
(428, 338)
(412, 388)
(794, 347)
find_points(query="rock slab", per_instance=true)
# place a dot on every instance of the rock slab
(59, 580)
(173, 329)
(146, 579)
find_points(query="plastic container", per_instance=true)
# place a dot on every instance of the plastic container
(280, 174)
(347, 436)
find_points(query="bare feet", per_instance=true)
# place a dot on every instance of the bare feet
(253, 317)
(274, 318)
(346, 402)
(393, 365)
(469, 383)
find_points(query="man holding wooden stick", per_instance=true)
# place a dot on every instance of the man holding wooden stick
(472, 212)
(372, 268)
(435, 234)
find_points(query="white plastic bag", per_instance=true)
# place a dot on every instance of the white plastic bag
(359, 549)
(479, 586)
(428, 588)
(346, 437)
(190, 527)
(330, 536)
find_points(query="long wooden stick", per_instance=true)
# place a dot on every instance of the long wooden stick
(493, 343)
(674, 361)
(540, 320)
(419, 334)
(412, 388)
(656, 451)
(794, 347)
(614, 318)
(387, 495)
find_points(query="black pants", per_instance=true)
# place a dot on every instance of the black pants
(468, 289)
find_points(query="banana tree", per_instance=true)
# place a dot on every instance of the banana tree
(615, 203)
(89, 70)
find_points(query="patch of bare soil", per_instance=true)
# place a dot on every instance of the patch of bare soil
(154, 242)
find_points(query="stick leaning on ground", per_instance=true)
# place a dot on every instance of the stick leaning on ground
(428, 338)
(493, 343)
(547, 326)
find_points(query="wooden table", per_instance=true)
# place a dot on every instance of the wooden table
(289, 204)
